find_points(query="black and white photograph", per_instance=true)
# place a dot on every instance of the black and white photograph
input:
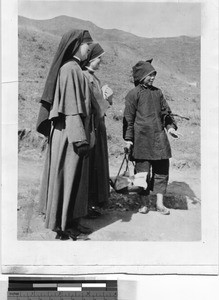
(136, 86)
(112, 128)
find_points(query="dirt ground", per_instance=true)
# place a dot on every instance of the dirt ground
(121, 220)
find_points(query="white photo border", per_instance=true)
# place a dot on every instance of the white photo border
(36, 257)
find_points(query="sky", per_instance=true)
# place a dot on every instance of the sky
(146, 19)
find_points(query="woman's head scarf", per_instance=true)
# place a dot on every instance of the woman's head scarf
(95, 51)
(141, 70)
(68, 46)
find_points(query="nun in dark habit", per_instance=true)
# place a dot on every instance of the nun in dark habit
(99, 164)
(64, 118)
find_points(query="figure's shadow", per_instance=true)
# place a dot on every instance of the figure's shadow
(177, 196)
(122, 207)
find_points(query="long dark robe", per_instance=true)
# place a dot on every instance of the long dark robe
(99, 165)
(64, 188)
(146, 116)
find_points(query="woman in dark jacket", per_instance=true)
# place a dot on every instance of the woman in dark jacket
(146, 116)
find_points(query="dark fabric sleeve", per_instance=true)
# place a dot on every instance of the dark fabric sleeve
(129, 117)
(43, 123)
(166, 115)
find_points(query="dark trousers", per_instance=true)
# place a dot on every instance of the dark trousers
(158, 174)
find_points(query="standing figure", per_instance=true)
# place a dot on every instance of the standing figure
(64, 117)
(146, 116)
(99, 165)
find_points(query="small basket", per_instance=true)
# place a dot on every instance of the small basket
(124, 183)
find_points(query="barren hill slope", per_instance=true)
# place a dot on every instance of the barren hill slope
(180, 54)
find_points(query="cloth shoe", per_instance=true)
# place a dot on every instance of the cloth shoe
(143, 210)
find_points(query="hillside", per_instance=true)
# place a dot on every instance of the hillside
(177, 61)
(174, 53)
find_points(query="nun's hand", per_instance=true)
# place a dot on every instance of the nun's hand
(81, 148)
(107, 93)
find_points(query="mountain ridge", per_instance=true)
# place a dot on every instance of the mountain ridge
(91, 24)
(173, 51)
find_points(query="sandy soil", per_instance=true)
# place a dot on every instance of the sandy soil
(121, 221)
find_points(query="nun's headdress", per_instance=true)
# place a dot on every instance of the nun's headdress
(95, 51)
